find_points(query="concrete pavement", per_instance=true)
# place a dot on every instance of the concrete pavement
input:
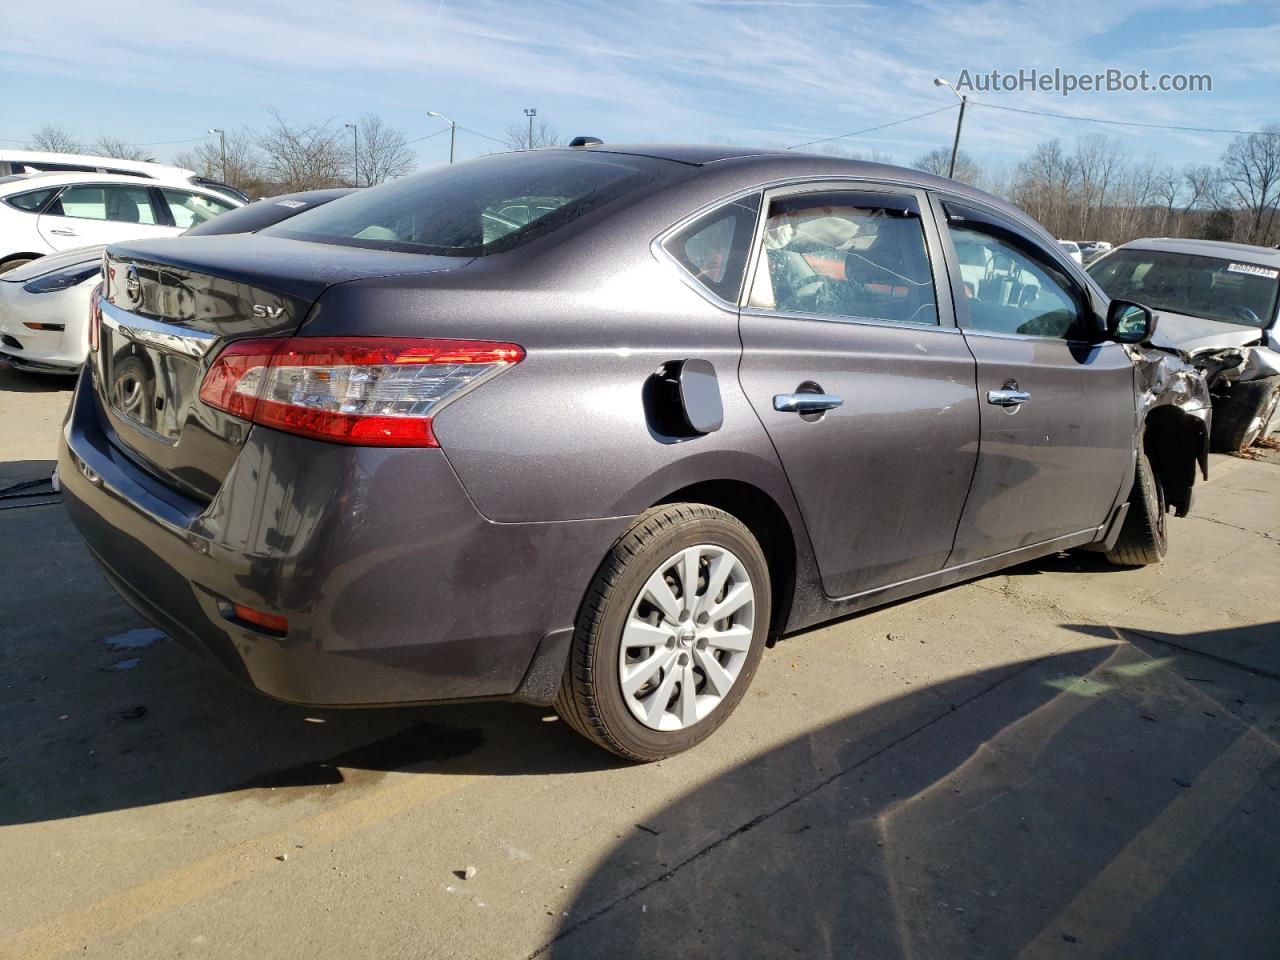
(1064, 760)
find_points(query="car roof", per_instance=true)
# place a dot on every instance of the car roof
(1206, 248)
(150, 167)
(780, 164)
(52, 178)
(695, 154)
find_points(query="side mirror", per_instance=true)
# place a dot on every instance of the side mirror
(1129, 322)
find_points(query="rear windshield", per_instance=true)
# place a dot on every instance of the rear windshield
(1231, 291)
(479, 207)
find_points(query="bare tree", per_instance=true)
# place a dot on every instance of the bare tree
(106, 146)
(383, 152)
(303, 157)
(1251, 173)
(244, 163)
(938, 162)
(1203, 186)
(1098, 163)
(544, 135)
(1044, 185)
(55, 139)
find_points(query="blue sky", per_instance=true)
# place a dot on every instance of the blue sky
(770, 72)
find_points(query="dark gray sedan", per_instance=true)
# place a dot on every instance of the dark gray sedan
(591, 426)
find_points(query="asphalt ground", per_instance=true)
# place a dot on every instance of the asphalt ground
(1061, 760)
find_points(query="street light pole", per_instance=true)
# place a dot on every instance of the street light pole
(222, 138)
(453, 130)
(530, 112)
(955, 146)
(355, 152)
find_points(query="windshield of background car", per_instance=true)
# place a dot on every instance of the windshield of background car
(479, 207)
(1231, 291)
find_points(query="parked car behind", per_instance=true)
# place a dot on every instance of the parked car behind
(1218, 307)
(52, 212)
(43, 161)
(1072, 249)
(1090, 249)
(405, 448)
(44, 305)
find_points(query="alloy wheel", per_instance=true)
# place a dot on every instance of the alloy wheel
(687, 637)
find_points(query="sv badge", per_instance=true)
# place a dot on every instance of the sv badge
(267, 313)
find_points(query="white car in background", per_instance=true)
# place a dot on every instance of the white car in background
(1072, 250)
(43, 161)
(47, 213)
(44, 305)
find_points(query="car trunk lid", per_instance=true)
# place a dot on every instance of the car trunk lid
(168, 310)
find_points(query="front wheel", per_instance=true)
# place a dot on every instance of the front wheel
(669, 635)
(1247, 415)
(1143, 539)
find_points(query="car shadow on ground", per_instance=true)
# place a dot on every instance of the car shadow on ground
(1119, 801)
(13, 380)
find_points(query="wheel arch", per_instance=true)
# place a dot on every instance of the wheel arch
(1176, 442)
(768, 524)
(18, 256)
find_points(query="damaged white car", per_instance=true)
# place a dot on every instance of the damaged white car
(1217, 304)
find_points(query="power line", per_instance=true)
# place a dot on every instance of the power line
(1120, 123)
(427, 137)
(479, 134)
(891, 123)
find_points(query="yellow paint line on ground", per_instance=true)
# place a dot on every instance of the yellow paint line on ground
(119, 911)
(1103, 912)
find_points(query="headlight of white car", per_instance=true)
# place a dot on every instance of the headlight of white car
(63, 279)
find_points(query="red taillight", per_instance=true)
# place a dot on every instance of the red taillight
(95, 317)
(268, 621)
(371, 392)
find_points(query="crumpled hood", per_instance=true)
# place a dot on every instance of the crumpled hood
(1192, 335)
(55, 261)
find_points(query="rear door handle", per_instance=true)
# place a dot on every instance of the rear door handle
(1008, 398)
(806, 402)
(65, 233)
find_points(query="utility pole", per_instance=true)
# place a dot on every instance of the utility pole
(453, 130)
(530, 112)
(955, 146)
(355, 152)
(222, 138)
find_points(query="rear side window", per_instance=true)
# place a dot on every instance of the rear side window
(480, 207)
(115, 202)
(714, 248)
(846, 256)
(31, 202)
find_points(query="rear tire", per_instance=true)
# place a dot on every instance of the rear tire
(626, 631)
(1143, 539)
(1247, 415)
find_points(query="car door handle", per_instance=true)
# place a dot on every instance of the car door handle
(1008, 398)
(806, 402)
(65, 233)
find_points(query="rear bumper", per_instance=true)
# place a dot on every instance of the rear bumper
(395, 588)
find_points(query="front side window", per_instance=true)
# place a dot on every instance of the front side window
(713, 249)
(1210, 287)
(1007, 289)
(192, 209)
(115, 202)
(480, 207)
(846, 255)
